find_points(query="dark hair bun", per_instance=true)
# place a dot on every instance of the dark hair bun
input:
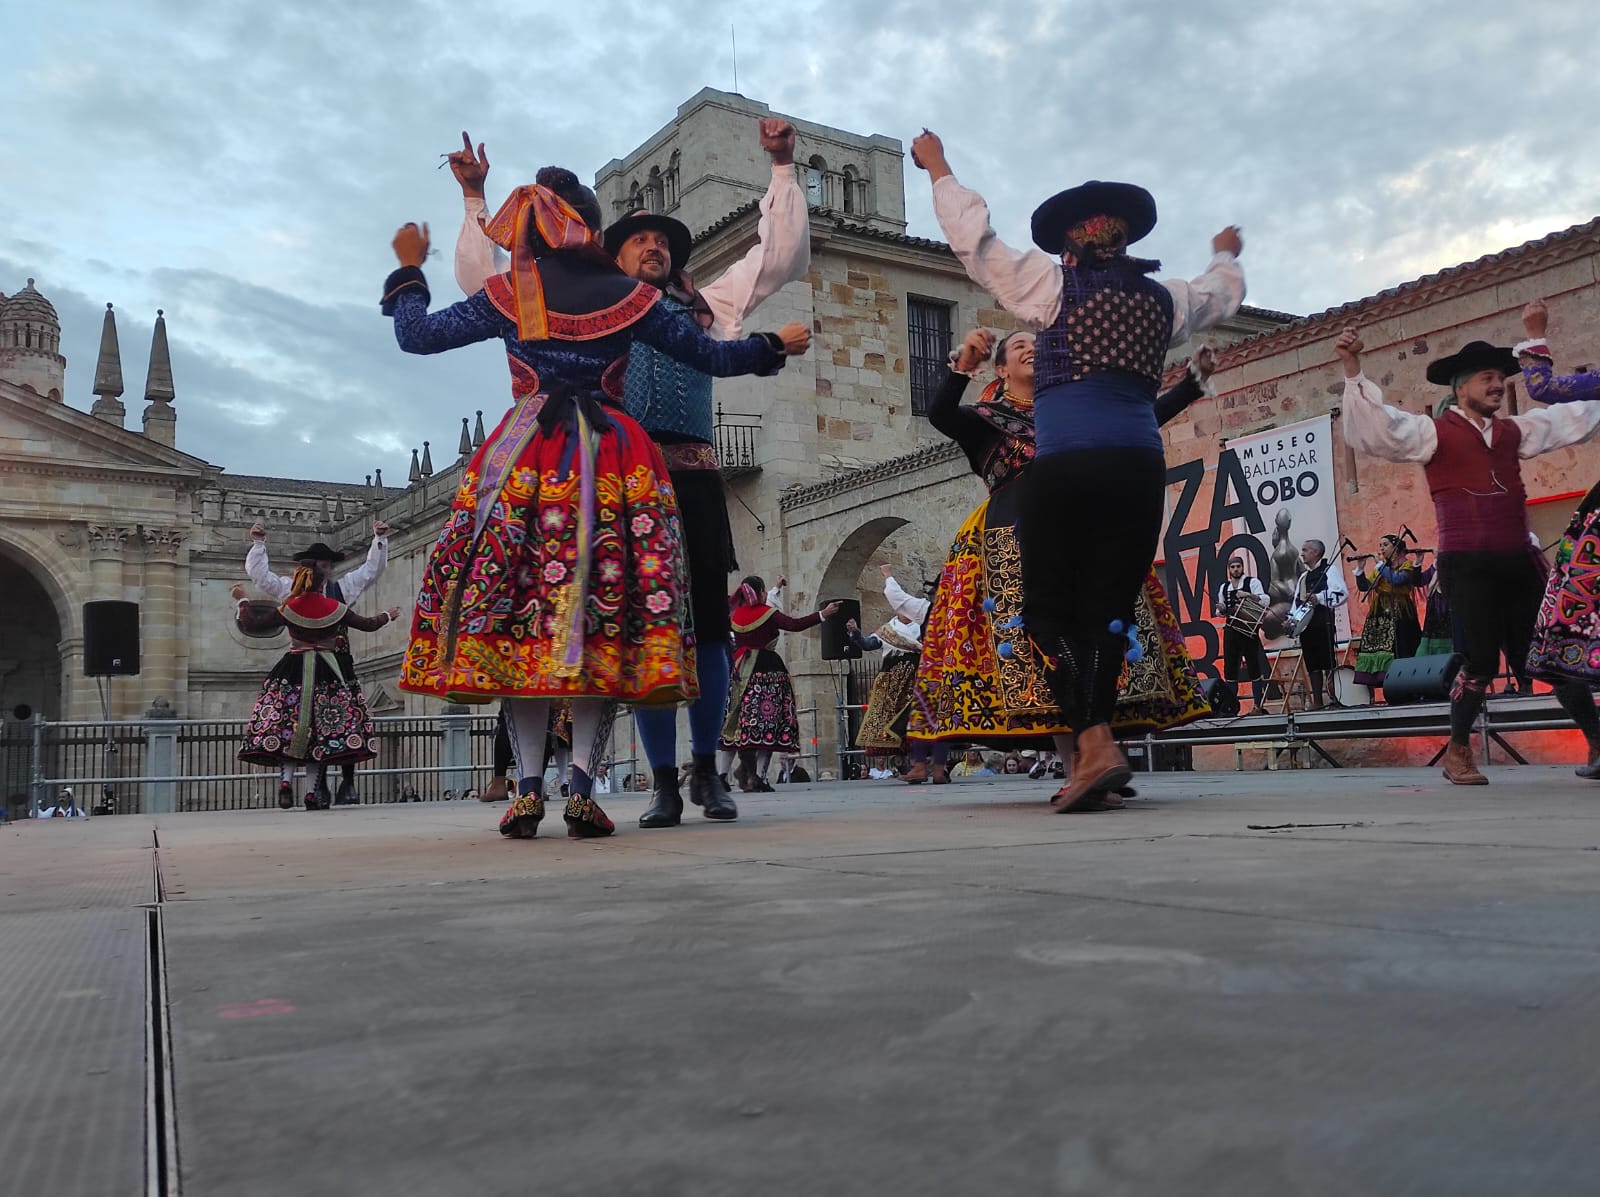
(558, 178)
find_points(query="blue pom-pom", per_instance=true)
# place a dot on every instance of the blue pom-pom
(1005, 650)
(988, 605)
(1135, 651)
(1014, 622)
(1117, 627)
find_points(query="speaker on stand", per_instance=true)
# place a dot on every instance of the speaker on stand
(836, 644)
(110, 649)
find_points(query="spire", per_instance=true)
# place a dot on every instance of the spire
(427, 461)
(465, 447)
(377, 481)
(477, 432)
(108, 374)
(416, 470)
(160, 421)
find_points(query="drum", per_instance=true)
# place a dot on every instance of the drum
(1300, 616)
(1345, 690)
(1248, 612)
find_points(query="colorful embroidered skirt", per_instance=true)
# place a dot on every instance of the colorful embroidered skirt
(1390, 632)
(883, 724)
(559, 572)
(761, 707)
(980, 680)
(1566, 635)
(308, 711)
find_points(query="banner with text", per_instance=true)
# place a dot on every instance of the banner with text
(1271, 492)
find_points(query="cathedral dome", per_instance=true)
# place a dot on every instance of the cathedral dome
(27, 305)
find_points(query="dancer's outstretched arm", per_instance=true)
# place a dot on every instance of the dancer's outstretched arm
(1543, 384)
(477, 258)
(406, 298)
(681, 338)
(1370, 425)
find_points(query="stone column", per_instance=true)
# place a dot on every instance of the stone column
(160, 631)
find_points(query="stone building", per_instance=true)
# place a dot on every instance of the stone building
(832, 467)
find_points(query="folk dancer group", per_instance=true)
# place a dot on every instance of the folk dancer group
(585, 556)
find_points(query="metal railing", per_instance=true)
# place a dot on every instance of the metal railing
(144, 766)
(735, 439)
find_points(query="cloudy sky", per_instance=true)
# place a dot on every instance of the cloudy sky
(244, 165)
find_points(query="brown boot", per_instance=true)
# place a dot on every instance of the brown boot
(1099, 766)
(499, 791)
(941, 775)
(1459, 768)
(916, 775)
(1591, 771)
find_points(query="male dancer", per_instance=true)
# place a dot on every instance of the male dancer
(1243, 657)
(1322, 585)
(346, 590)
(1472, 457)
(673, 404)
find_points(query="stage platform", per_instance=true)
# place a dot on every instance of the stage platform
(1351, 982)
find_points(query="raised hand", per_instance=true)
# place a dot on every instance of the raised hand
(777, 138)
(1349, 348)
(1229, 241)
(927, 151)
(975, 350)
(393, 613)
(380, 528)
(411, 244)
(1535, 319)
(258, 531)
(237, 594)
(796, 338)
(852, 625)
(470, 169)
(887, 571)
(830, 610)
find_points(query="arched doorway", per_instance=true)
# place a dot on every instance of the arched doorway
(30, 673)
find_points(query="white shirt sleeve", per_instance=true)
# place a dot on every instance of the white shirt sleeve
(1548, 428)
(1027, 282)
(1373, 427)
(1336, 593)
(257, 567)
(781, 254)
(775, 598)
(1206, 301)
(904, 604)
(355, 583)
(477, 258)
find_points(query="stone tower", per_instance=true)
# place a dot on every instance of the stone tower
(30, 344)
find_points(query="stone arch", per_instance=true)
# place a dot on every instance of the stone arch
(817, 182)
(851, 185)
(36, 620)
(850, 558)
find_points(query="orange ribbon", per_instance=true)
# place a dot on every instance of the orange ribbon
(559, 224)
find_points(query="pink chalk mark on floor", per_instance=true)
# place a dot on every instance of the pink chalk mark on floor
(261, 1008)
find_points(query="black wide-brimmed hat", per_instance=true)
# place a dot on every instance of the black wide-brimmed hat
(679, 242)
(1132, 205)
(319, 552)
(1469, 359)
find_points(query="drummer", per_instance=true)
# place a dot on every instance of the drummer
(1242, 603)
(1320, 592)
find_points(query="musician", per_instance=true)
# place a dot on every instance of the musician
(1243, 657)
(1321, 588)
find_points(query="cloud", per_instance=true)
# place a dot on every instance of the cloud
(246, 172)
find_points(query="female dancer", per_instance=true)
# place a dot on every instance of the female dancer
(1092, 501)
(761, 708)
(559, 574)
(888, 709)
(1392, 629)
(978, 679)
(308, 711)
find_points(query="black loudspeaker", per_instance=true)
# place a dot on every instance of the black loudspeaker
(836, 644)
(1421, 679)
(110, 638)
(1221, 695)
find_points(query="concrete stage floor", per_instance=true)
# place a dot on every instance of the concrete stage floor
(1321, 982)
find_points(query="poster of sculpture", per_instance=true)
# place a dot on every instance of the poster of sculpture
(1270, 492)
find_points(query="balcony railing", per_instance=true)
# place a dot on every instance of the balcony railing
(736, 443)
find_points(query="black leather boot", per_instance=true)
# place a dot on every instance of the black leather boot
(706, 790)
(666, 804)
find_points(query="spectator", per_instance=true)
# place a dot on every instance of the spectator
(1012, 765)
(66, 807)
(972, 765)
(601, 780)
(798, 774)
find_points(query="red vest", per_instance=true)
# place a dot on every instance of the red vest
(1477, 488)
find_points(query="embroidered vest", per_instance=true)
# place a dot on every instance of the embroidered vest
(1109, 320)
(665, 395)
(1477, 488)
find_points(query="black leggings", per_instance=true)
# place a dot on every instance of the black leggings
(1089, 523)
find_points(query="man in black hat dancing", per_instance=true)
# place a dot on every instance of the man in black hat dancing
(1095, 489)
(347, 589)
(672, 402)
(1472, 457)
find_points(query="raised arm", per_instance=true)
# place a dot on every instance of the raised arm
(477, 258)
(250, 619)
(1205, 302)
(1539, 378)
(782, 252)
(906, 605)
(1195, 385)
(1027, 282)
(1371, 426)
(681, 338)
(259, 569)
(972, 432)
(357, 581)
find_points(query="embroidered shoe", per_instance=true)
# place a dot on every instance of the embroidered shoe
(521, 820)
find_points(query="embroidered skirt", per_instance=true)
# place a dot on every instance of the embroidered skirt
(761, 707)
(1566, 635)
(980, 679)
(883, 724)
(308, 710)
(1390, 632)
(560, 571)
